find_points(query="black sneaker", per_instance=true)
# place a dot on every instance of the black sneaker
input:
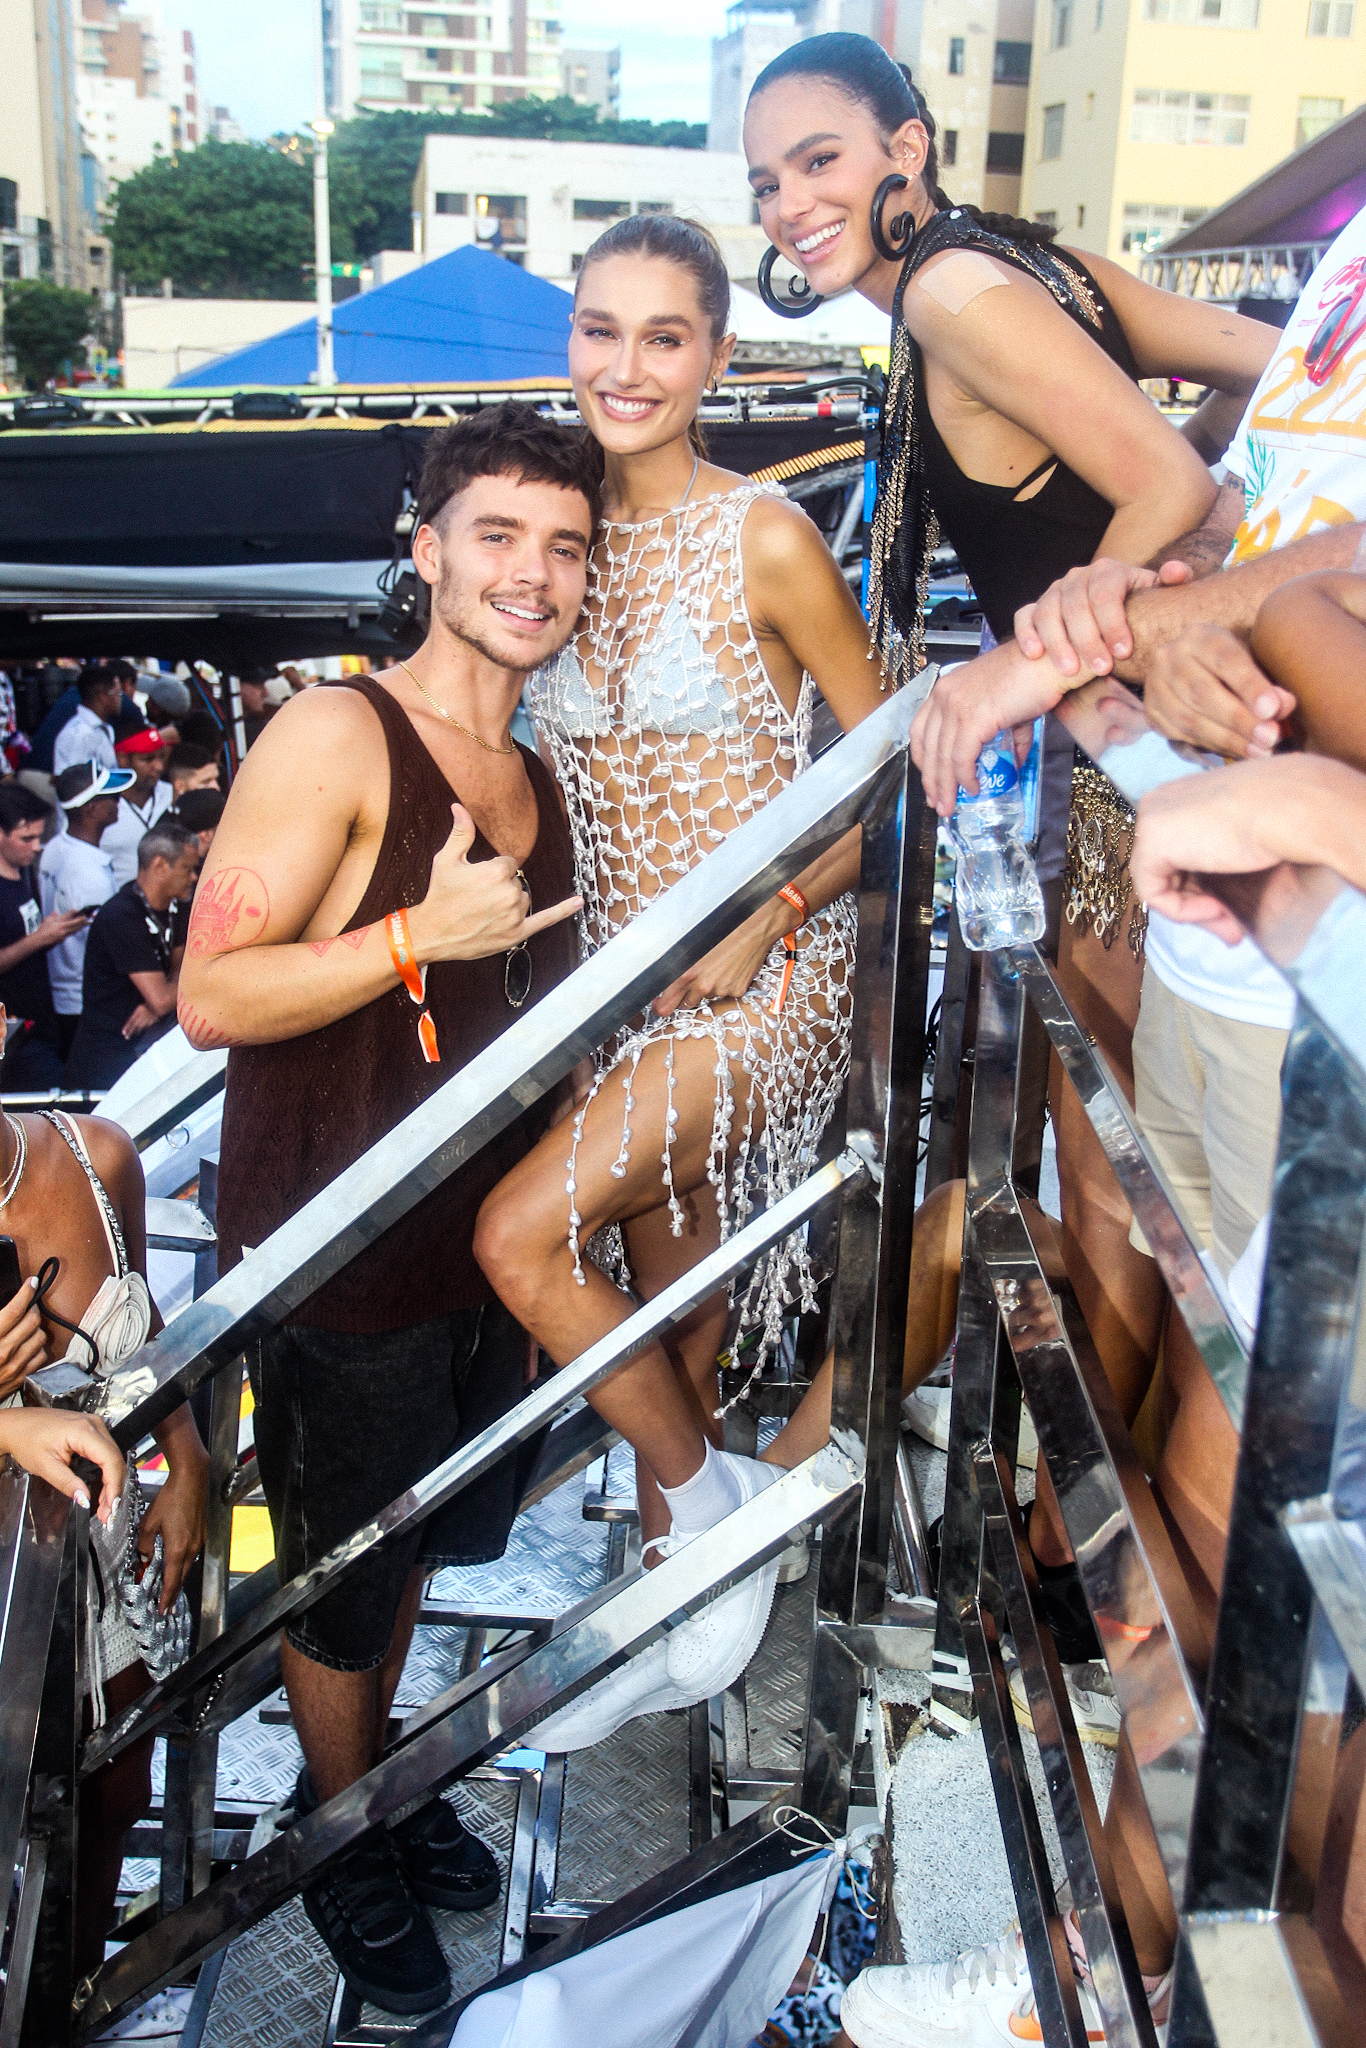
(444, 1864)
(371, 1925)
(377, 1934)
(1062, 1603)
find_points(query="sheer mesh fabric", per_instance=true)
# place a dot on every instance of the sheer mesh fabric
(666, 733)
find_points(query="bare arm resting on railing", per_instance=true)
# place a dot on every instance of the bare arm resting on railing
(1109, 616)
(268, 955)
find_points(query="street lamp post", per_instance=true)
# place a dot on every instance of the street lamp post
(322, 216)
(322, 249)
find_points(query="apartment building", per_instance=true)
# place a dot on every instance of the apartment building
(543, 204)
(137, 87)
(592, 78)
(1145, 114)
(44, 227)
(970, 58)
(381, 55)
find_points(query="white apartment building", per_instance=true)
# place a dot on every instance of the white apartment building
(592, 78)
(123, 132)
(380, 55)
(970, 58)
(137, 87)
(545, 203)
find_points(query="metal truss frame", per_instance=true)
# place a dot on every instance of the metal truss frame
(1220, 1737)
(848, 1488)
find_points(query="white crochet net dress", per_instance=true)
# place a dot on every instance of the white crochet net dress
(666, 733)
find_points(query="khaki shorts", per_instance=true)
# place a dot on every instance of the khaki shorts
(1207, 1095)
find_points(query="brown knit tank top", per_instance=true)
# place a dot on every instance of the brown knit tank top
(296, 1113)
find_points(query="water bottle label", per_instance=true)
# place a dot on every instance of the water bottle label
(996, 775)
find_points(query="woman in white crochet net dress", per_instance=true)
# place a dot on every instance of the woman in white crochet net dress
(681, 707)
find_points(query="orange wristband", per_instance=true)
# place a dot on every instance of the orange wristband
(789, 940)
(790, 893)
(413, 977)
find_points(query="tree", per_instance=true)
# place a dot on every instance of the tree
(228, 220)
(235, 219)
(46, 327)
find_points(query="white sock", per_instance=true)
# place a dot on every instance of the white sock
(705, 1499)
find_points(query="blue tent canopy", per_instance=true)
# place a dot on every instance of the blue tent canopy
(470, 317)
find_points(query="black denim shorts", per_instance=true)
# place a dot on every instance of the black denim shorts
(345, 1424)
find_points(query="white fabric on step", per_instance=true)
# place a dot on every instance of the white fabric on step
(707, 1977)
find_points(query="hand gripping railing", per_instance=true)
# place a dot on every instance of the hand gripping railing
(867, 778)
(1218, 1738)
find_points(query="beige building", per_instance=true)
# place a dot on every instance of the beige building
(972, 62)
(44, 227)
(970, 58)
(592, 78)
(1145, 114)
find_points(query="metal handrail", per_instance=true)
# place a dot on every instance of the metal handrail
(862, 779)
(530, 1057)
(466, 1465)
(1216, 1754)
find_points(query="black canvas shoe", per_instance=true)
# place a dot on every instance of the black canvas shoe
(1062, 1605)
(445, 1864)
(376, 1932)
(372, 1926)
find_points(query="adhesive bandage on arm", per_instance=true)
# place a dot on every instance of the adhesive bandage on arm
(959, 278)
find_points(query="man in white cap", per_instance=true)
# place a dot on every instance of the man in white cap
(76, 873)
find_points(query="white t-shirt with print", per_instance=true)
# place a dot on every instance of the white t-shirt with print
(1301, 452)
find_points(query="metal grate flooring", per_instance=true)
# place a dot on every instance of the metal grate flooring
(626, 1802)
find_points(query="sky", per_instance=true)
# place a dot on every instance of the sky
(255, 55)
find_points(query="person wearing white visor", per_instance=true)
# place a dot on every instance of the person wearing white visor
(75, 874)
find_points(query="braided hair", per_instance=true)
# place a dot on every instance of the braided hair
(861, 69)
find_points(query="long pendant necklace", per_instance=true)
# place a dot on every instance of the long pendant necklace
(16, 1172)
(442, 712)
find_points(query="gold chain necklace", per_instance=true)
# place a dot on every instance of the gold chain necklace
(442, 712)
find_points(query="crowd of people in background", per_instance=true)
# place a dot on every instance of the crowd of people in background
(107, 810)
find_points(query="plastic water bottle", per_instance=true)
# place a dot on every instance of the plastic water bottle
(1000, 902)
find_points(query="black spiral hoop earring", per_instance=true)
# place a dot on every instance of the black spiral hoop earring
(796, 302)
(903, 227)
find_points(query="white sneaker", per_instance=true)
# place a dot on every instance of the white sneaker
(925, 1410)
(160, 2019)
(698, 1660)
(1094, 1706)
(926, 1413)
(640, 1686)
(963, 2004)
(708, 1653)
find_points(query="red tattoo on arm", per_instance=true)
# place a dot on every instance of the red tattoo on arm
(355, 940)
(230, 909)
(203, 1035)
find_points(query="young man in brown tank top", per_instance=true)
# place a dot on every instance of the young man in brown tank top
(346, 892)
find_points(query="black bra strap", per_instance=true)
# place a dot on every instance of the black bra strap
(1041, 469)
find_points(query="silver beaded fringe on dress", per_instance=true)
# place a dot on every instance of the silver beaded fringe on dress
(666, 733)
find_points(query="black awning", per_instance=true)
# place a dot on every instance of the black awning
(182, 497)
